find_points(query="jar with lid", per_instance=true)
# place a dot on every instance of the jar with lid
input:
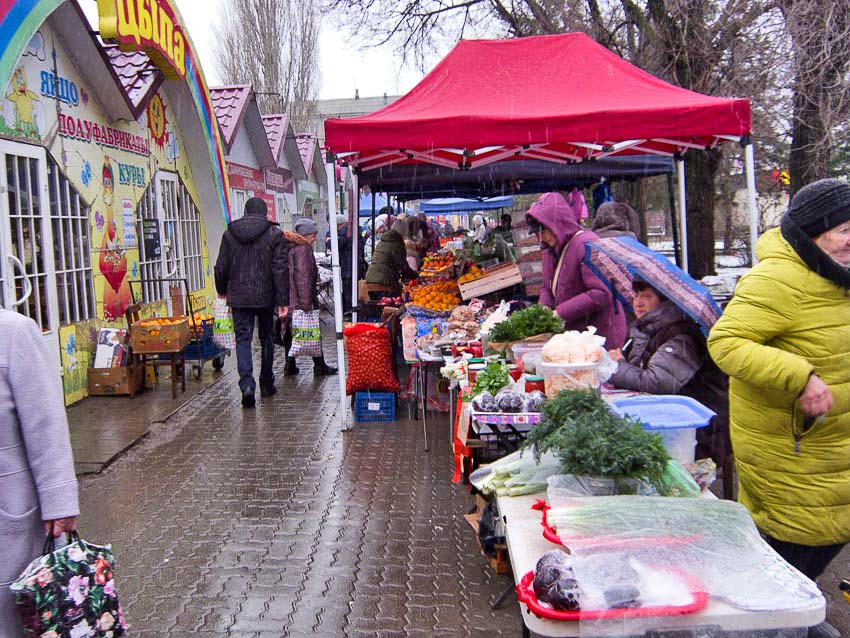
(534, 383)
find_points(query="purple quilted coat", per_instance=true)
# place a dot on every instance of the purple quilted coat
(580, 298)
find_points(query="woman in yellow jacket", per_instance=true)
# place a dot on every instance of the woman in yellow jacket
(784, 341)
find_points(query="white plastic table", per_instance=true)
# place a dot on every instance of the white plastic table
(526, 545)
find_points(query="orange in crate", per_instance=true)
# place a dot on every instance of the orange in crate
(159, 334)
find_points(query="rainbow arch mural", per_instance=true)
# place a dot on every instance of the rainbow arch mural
(19, 21)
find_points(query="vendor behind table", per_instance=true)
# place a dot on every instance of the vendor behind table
(666, 354)
(389, 261)
(579, 297)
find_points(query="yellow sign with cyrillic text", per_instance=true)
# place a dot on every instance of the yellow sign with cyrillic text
(148, 25)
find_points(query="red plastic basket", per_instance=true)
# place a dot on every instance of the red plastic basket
(526, 595)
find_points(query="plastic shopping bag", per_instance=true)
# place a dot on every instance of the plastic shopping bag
(70, 592)
(306, 334)
(223, 333)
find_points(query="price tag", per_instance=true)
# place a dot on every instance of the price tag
(374, 407)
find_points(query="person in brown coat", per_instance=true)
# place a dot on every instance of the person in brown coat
(303, 293)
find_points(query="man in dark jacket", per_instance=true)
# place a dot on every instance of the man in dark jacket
(252, 271)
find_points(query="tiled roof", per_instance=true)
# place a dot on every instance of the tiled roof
(138, 76)
(276, 126)
(307, 148)
(229, 104)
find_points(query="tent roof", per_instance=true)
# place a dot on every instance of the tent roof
(557, 97)
(459, 204)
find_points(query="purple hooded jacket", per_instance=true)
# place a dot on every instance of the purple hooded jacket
(581, 299)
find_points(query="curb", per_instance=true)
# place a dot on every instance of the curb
(147, 432)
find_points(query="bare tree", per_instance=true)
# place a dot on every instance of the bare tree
(820, 34)
(274, 46)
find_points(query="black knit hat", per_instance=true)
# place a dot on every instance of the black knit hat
(820, 206)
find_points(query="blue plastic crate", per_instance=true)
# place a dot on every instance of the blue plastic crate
(201, 349)
(374, 406)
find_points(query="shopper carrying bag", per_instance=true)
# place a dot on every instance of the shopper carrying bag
(302, 335)
(38, 488)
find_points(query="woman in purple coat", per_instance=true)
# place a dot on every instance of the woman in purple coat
(578, 296)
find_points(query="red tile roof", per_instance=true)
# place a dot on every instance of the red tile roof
(138, 76)
(276, 126)
(307, 147)
(229, 104)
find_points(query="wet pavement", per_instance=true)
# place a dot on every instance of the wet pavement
(272, 522)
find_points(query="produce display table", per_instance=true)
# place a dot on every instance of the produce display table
(507, 430)
(526, 545)
(419, 369)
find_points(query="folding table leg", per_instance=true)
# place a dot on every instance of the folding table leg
(423, 380)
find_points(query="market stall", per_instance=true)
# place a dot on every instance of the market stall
(573, 126)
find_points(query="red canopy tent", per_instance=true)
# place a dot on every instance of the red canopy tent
(559, 97)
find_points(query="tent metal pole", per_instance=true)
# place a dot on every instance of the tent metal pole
(354, 232)
(750, 163)
(674, 227)
(342, 413)
(372, 238)
(680, 172)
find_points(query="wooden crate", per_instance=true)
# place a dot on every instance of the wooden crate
(531, 269)
(497, 278)
(150, 338)
(525, 237)
(528, 253)
(111, 381)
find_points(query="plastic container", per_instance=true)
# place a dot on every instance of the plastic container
(675, 418)
(374, 406)
(569, 376)
(521, 350)
(532, 361)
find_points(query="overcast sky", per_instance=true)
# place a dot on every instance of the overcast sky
(343, 67)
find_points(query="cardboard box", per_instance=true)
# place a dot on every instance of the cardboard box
(497, 278)
(111, 381)
(153, 338)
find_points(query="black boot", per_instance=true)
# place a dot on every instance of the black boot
(289, 368)
(322, 369)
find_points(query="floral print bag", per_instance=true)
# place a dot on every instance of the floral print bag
(70, 592)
